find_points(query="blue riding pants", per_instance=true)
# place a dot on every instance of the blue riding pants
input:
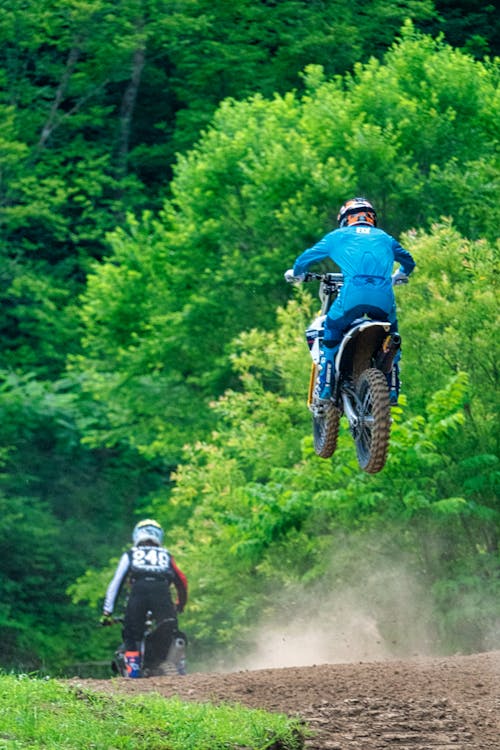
(354, 303)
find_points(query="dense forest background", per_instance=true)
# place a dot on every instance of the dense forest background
(162, 162)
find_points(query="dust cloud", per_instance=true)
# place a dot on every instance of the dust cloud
(374, 614)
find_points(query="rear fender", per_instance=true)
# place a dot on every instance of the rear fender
(359, 346)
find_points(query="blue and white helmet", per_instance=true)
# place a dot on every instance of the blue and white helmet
(147, 531)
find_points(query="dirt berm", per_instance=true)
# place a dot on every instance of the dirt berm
(418, 704)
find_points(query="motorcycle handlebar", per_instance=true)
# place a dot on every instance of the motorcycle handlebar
(120, 619)
(337, 278)
(112, 621)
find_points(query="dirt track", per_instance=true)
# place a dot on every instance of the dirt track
(419, 704)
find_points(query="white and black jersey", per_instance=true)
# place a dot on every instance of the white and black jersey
(146, 563)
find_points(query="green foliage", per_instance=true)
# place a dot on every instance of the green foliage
(467, 602)
(94, 103)
(254, 504)
(51, 493)
(456, 283)
(220, 50)
(476, 27)
(38, 318)
(264, 182)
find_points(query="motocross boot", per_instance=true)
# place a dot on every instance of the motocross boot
(326, 372)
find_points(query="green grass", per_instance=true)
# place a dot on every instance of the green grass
(47, 714)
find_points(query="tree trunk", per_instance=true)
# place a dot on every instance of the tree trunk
(53, 119)
(127, 110)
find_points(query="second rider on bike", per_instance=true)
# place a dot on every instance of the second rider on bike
(150, 570)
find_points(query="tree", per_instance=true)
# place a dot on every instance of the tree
(255, 501)
(263, 183)
(466, 24)
(60, 505)
(260, 522)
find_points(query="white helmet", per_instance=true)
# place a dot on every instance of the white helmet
(147, 531)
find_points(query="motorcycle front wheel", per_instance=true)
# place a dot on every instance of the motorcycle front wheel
(326, 430)
(325, 419)
(372, 432)
(118, 666)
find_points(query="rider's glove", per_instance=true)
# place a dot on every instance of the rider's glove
(399, 277)
(106, 619)
(291, 278)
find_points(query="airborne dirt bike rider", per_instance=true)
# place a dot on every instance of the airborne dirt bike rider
(365, 255)
(367, 363)
(150, 571)
(362, 366)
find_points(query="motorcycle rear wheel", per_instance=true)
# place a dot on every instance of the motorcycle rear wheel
(373, 431)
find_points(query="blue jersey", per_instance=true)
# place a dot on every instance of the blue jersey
(359, 251)
(366, 257)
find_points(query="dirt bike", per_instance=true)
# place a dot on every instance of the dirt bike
(145, 662)
(360, 390)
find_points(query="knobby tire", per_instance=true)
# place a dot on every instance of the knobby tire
(326, 431)
(372, 435)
